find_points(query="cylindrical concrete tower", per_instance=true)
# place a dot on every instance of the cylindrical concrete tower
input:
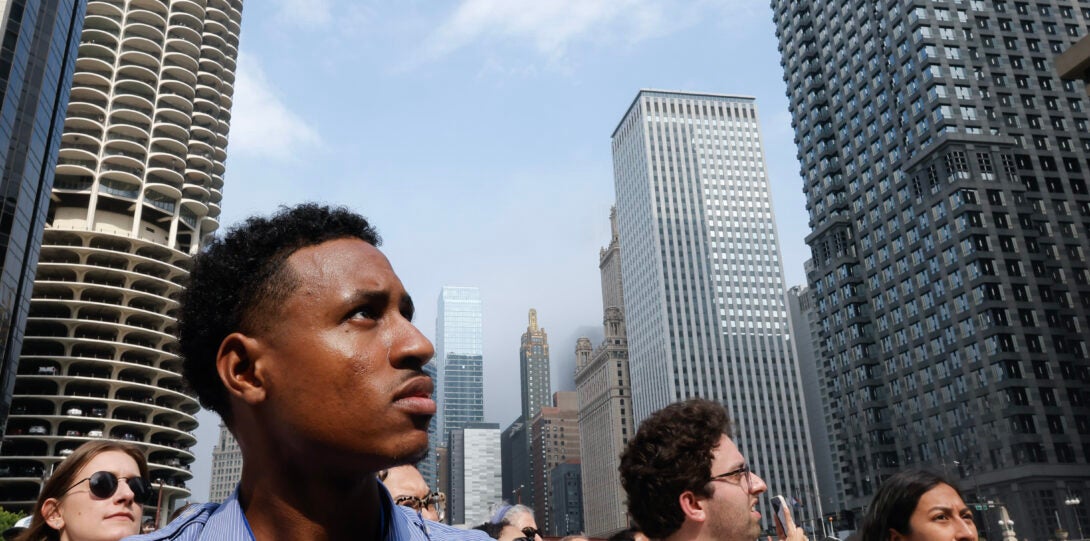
(138, 186)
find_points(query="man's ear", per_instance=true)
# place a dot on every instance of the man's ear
(51, 513)
(238, 369)
(692, 506)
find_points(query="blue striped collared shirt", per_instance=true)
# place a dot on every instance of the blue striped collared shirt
(226, 522)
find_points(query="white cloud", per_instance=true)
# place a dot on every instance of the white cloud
(261, 123)
(553, 26)
(304, 13)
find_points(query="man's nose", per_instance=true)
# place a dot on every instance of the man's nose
(756, 484)
(413, 348)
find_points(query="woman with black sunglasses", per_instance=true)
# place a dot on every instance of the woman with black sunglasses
(96, 494)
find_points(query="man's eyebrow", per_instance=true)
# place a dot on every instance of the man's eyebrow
(407, 306)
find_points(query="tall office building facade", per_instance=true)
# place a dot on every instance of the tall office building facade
(703, 280)
(945, 164)
(515, 455)
(137, 187)
(41, 39)
(554, 440)
(226, 466)
(605, 402)
(457, 369)
(475, 477)
(534, 367)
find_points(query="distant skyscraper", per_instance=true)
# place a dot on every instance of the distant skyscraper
(515, 454)
(475, 477)
(566, 494)
(804, 336)
(554, 440)
(605, 402)
(458, 368)
(945, 169)
(226, 466)
(703, 281)
(41, 39)
(534, 363)
(137, 188)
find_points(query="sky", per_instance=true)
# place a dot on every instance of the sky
(475, 135)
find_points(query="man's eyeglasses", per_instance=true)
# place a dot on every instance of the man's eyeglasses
(735, 476)
(434, 500)
(104, 485)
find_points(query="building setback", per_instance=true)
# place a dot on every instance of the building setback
(36, 63)
(944, 164)
(605, 403)
(136, 189)
(457, 369)
(703, 280)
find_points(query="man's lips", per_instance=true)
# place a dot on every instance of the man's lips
(415, 396)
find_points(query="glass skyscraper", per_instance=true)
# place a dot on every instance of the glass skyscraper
(945, 170)
(703, 280)
(457, 369)
(41, 39)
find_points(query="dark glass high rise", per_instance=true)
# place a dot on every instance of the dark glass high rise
(37, 57)
(945, 168)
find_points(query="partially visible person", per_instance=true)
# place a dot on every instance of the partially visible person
(408, 489)
(687, 481)
(517, 522)
(95, 494)
(918, 505)
(148, 527)
(629, 534)
(575, 537)
(493, 529)
(17, 528)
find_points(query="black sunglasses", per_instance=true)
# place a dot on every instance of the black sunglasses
(530, 532)
(103, 485)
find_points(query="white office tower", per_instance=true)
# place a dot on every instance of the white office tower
(137, 189)
(476, 478)
(226, 466)
(702, 277)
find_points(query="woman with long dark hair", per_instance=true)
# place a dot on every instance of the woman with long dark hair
(95, 494)
(918, 505)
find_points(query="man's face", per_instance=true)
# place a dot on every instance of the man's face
(341, 362)
(732, 514)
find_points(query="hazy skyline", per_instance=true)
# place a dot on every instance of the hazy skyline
(476, 137)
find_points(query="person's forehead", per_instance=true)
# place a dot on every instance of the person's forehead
(727, 452)
(115, 462)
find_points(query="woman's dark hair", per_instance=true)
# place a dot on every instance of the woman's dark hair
(64, 476)
(896, 500)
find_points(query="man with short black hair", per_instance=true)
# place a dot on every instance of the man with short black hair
(297, 331)
(687, 481)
